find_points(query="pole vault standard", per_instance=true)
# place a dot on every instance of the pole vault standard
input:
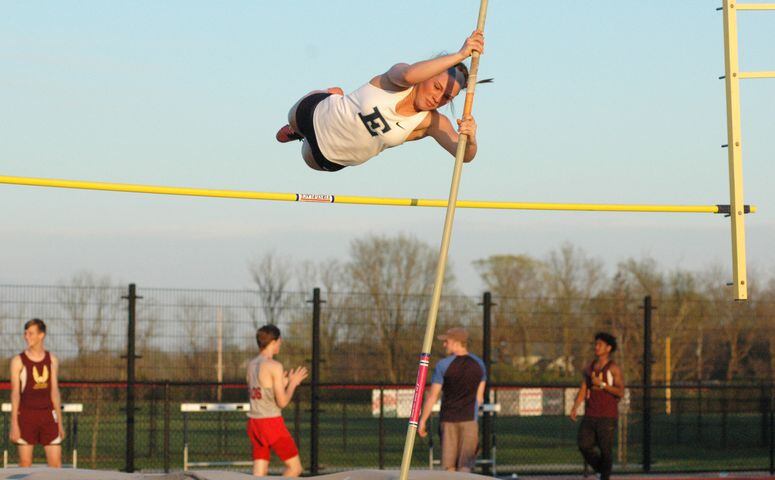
(361, 200)
(732, 76)
(425, 355)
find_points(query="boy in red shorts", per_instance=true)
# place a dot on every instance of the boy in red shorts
(270, 390)
(36, 408)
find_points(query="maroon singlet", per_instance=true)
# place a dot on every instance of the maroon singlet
(36, 384)
(600, 404)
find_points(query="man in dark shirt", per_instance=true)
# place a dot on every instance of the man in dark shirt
(602, 388)
(459, 379)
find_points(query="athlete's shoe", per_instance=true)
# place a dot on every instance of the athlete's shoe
(286, 134)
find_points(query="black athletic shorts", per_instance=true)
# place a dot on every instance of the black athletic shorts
(304, 113)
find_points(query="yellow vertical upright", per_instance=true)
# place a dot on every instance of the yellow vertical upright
(734, 142)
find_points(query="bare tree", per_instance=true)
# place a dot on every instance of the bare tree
(572, 279)
(92, 311)
(735, 325)
(766, 326)
(271, 274)
(679, 315)
(515, 280)
(196, 319)
(396, 275)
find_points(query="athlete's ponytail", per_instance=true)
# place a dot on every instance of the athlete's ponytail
(462, 68)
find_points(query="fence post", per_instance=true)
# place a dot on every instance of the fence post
(344, 426)
(647, 359)
(678, 425)
(7, 440)
(772, 432)
(381, 427)
(130, 379)
(764, 407)
(152, 427)
(297, 419)
(74, 441)
(315, 383)
(185, 441)
(487, 357)
(699, 411)
(724, 407)
(166, 427)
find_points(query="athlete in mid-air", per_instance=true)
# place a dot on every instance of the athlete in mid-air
(399, 105)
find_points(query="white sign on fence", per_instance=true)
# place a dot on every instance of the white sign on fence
(397, 402)
(525, 402)
(531, 402)
(570, 398)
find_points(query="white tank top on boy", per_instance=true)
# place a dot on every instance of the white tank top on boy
(353, 128)
(262, 402)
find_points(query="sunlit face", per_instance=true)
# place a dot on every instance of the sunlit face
(437, 91)
(450, 346)
(601, 348)
(33, 336)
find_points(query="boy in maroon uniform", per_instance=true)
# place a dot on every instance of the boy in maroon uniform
(602, 388)
(36, 409)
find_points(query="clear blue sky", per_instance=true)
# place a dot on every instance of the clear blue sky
(610, 102)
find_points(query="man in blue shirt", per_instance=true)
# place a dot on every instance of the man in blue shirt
(459, 379)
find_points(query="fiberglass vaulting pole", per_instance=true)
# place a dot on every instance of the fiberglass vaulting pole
(425, 356)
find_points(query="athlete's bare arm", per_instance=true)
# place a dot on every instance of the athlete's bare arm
(616, 388)
(480, 393)
(284, 393)
(16, 395)
(579, 399)
(440, 128)
(56, 398)
(403, 75)
(430, 400)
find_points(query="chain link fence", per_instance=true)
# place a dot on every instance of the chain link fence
(711, 393)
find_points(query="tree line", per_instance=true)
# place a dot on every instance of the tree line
(545, 314)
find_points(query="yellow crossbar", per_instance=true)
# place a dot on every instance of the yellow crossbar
(757, 74)
(359, 200)
(755, 6)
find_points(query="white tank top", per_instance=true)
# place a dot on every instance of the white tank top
(353, 128)
(262, 402)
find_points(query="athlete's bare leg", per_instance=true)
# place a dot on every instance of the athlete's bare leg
(260, 468)
(292, 111)
(53, 455)
(293, 467)
(25, 455)
(309, 159)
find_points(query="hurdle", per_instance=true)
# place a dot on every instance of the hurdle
(188, 408)
(486, 410)
(72, 430)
